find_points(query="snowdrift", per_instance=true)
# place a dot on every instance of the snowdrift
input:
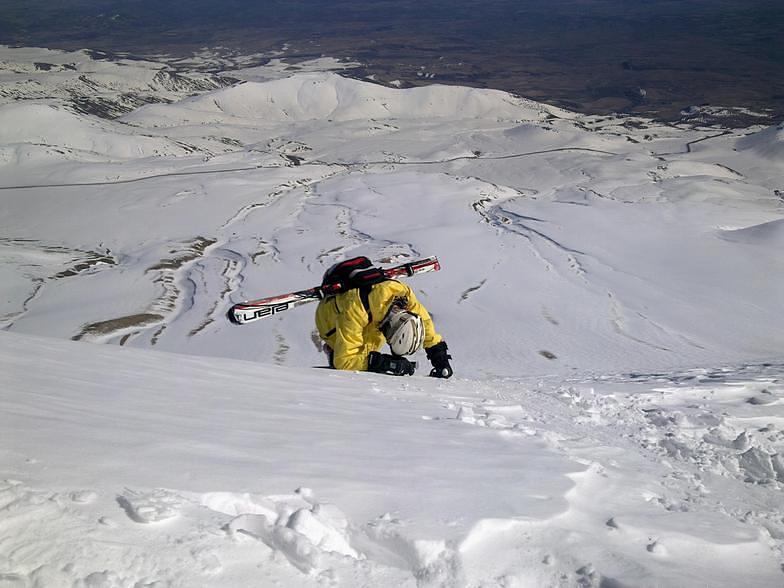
(769, 235)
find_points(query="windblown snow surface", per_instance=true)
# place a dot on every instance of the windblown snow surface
(611, 292)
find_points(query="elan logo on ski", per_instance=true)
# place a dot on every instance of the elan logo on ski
(341, 277)
(270, 310)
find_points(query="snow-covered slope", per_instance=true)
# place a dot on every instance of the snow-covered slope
(331, 97)
(126, 467)
(768, 143)
(61, 134)
(94, 82)
(567, 242)
(579, 254)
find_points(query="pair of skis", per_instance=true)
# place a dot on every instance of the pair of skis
(253, 310)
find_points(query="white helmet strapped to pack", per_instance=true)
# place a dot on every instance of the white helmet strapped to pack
(403, 329)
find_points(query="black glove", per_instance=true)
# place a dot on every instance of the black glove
(438, 356)
(390, 364)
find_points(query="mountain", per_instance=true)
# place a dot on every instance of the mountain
(610, 292)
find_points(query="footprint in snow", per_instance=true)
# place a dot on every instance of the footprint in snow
(764, 398)
(83, 496)
(306, 536)
(150, 507)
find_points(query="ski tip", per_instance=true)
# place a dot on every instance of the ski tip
(232, 317)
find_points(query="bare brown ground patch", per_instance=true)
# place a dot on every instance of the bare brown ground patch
(110, 326)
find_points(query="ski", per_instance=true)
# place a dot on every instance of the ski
(252, 310)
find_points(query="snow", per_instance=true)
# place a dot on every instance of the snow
(223, 472)
(767, 143)
(610, 291)
(58, 132)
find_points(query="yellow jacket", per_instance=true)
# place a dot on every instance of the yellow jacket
(344, 324)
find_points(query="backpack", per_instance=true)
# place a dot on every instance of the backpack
(356, 272)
